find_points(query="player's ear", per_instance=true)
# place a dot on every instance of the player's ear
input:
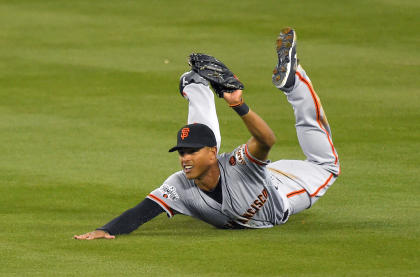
(213, 151)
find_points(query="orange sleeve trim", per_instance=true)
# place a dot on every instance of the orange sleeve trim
(165, 206)
(318, 116)
(294, 193)
(323, 186)
(251, 158)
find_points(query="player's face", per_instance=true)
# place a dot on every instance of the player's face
(196, 162)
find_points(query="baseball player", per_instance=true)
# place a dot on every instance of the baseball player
(240, 189)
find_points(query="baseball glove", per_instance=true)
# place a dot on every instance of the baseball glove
(220, 77)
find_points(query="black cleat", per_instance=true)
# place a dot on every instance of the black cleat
(284, 72)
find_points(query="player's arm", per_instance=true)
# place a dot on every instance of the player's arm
(263, 137)
(127, 222)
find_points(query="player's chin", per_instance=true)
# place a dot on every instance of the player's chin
(189, 175)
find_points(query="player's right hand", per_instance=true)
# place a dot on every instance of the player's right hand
(234, 98)
(97, 234)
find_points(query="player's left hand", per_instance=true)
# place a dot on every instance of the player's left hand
(233, 98)
(97, 234)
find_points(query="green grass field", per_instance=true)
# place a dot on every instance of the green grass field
(89, 105)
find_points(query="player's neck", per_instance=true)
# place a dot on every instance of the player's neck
(210, 179)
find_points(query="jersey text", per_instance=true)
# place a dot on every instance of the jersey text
(255, 206)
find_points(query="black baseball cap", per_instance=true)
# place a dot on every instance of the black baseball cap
(194, 136)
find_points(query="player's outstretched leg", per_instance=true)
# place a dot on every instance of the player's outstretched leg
(313, 177)
(201, 107)
(312, 127)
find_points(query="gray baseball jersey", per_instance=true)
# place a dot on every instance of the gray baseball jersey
(250, 198)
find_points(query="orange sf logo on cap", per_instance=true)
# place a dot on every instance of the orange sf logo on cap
(184, 133)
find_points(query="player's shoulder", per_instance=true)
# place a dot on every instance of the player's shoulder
(237, 156)
(241, 157)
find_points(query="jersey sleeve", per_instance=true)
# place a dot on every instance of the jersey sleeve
(243, 166)
(172, 195)
(242, 156)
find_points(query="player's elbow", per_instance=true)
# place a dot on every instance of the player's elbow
(269, 140)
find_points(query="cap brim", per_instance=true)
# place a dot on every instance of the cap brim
(186, 145)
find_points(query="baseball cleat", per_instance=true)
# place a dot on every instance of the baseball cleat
(284, 72)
